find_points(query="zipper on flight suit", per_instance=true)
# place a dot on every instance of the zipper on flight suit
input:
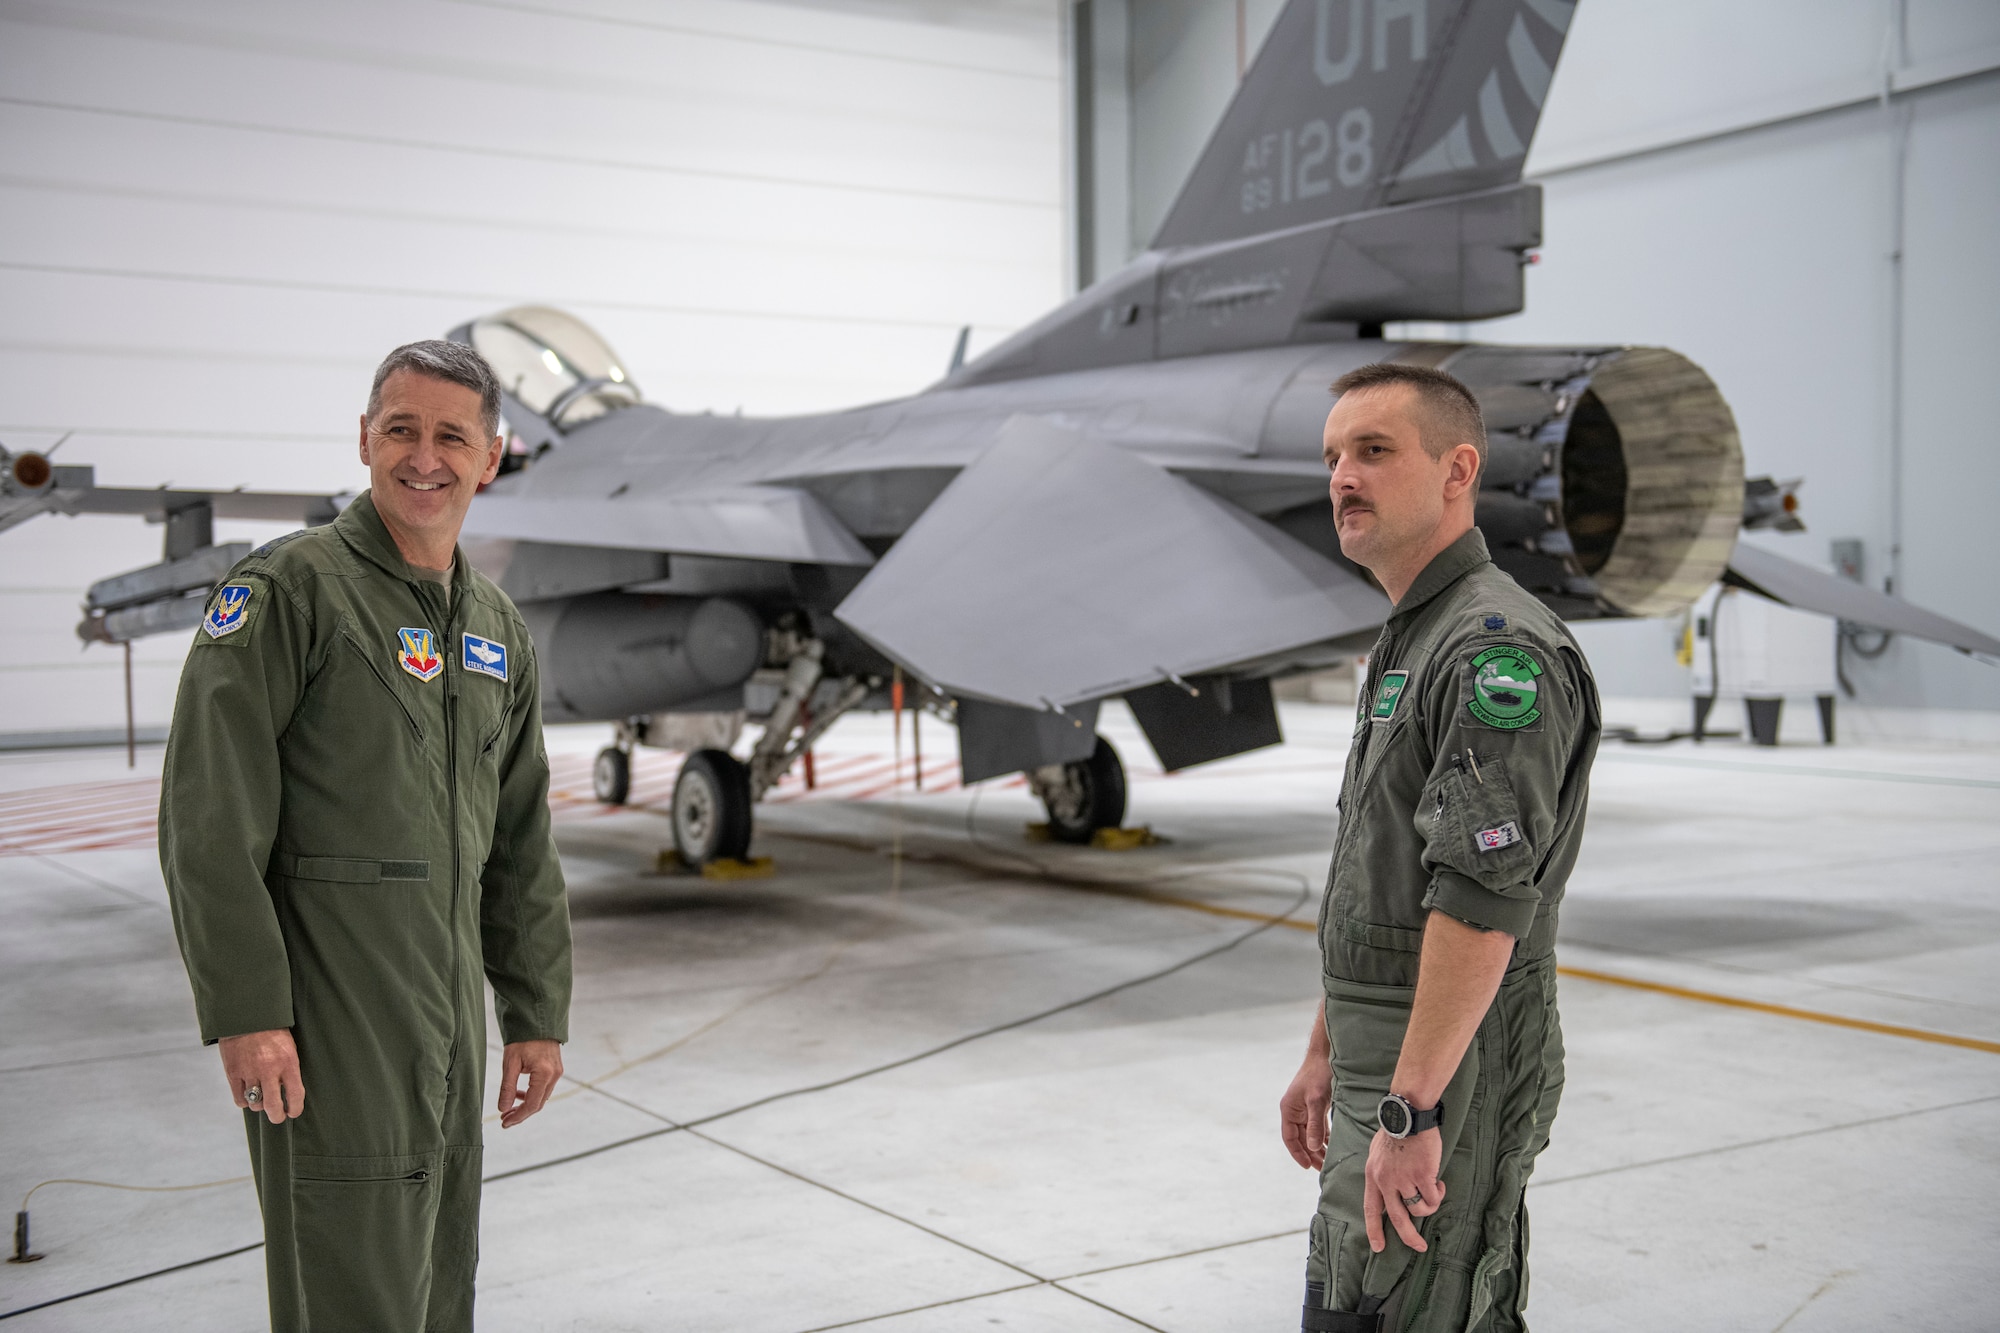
(453, 609)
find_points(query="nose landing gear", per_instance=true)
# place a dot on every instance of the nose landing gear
(611, 775)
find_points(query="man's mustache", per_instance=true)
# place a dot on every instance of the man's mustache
(1349, 503)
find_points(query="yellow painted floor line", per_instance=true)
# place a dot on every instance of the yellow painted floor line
(1633, 983)
(1143, 893)
(1783, 1010)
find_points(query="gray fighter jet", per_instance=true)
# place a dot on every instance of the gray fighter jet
(1124, 500)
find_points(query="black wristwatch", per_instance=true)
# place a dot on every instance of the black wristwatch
(1399, 1119)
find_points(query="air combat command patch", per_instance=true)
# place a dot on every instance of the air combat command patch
(1504, 688)
(416, 653)
(229, 612)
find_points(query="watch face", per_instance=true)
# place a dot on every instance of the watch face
(1395, 1117)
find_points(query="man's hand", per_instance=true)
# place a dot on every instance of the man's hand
(1400, 1170)
(268, 1062)
(1302, 1111)
(541, 1061)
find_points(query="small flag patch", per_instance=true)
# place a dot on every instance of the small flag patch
(483, 656)
(1493, 839)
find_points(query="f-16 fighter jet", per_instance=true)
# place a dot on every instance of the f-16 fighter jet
(1125, 499)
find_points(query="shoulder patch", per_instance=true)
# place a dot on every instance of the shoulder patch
(1504, 687)
(484, 657)
(228, 612)
(1496, 622)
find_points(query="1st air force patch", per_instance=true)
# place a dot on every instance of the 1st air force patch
(483, 656)
(416, 653)
(229, 612)
(1504, 688)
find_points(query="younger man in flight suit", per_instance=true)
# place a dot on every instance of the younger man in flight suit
(1461, 813)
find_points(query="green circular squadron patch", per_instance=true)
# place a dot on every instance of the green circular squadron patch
(1503, 687)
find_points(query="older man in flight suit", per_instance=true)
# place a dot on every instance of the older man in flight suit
(1437, 1049)
(354, 827)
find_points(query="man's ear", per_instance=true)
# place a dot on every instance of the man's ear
(493, 456)
(1464, 474)
(364, 441)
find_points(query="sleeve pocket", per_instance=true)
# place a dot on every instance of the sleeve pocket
(1475, 822)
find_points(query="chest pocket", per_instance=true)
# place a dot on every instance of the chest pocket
(1474, 821)
(352, 680)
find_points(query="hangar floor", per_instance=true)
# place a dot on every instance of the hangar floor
(824, 1099)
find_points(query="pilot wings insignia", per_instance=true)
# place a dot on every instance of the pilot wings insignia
(483, 656)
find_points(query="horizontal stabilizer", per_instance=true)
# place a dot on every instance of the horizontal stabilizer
(1057, 569)
(746, 522)
(1810, 589)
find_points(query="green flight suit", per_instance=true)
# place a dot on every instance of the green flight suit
(1464, 792)
(354, 825)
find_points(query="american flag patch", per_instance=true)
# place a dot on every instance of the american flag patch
(1493, 839)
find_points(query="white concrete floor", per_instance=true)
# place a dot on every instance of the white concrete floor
(725, 1160)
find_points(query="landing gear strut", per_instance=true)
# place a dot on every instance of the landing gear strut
(716, 792)
(1084, 796)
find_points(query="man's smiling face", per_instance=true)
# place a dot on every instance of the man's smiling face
(427, 457)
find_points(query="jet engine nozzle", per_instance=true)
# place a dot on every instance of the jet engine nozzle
(1614, 477)
(611, 656)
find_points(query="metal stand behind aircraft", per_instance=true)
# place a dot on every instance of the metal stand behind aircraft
(1125, 499)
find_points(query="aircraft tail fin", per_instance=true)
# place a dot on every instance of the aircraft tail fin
(1354, 105)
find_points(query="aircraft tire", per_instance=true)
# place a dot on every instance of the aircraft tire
(1095, 796)
(611, 776)
(711, 811)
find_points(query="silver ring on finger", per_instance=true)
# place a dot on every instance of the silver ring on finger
(1413, 1201)
(253, 1094)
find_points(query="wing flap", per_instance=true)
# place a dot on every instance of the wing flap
(1057, 569)
(1811, 589)
(745, 522)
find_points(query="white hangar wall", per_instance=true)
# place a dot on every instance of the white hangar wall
(216, 216)
(1721, 178)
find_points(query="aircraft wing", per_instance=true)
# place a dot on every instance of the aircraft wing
(747, 522)
(72, 491)
(1811, 589)
(1056, 569)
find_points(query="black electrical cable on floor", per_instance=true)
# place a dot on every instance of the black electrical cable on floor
(1040, 871)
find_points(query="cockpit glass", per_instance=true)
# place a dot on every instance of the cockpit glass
(554, 364)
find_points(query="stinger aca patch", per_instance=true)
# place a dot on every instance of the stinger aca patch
(1504, 687)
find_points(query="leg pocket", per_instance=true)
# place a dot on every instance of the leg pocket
(362, 1228)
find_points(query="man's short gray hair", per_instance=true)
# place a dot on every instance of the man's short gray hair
(452, 362)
